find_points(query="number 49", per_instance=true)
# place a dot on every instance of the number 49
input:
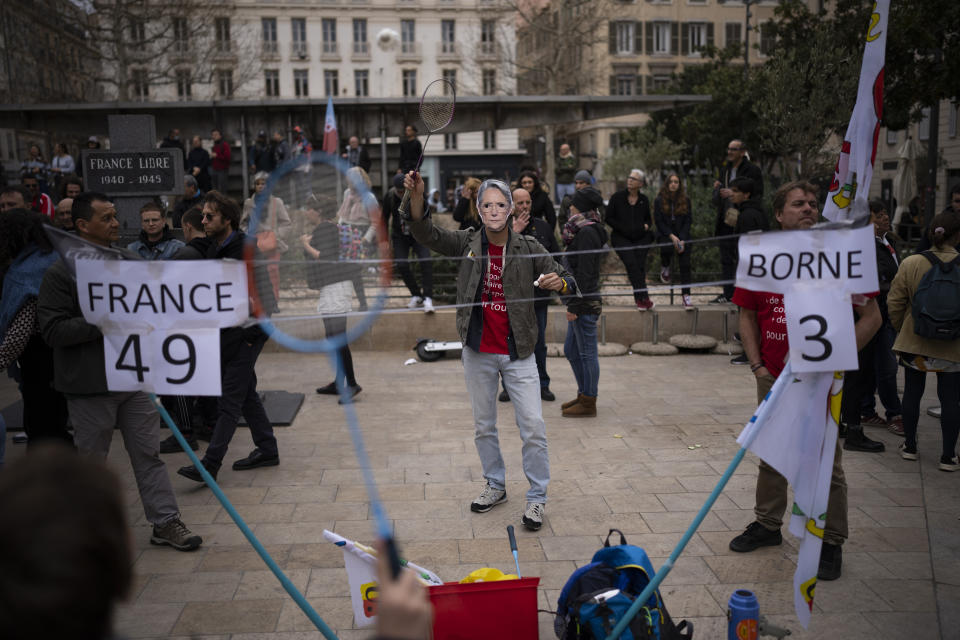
(131, 357)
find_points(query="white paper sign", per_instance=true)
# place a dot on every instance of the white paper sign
(775, 261)
(820, 329)
(162, 294)
(165, 362)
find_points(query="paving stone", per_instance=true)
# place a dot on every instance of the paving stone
(905, 595)
(264, 585)
(241, 558)
(752, 567)
(195, 587)
(255, 513)
(146, 619)
(229, 617)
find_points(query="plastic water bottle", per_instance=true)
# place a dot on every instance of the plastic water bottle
(743, 612)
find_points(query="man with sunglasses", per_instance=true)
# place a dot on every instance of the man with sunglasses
(498, 327)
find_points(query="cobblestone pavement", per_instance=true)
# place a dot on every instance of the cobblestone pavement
(630, 468)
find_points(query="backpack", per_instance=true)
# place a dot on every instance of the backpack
(936, 304)
(598, 595)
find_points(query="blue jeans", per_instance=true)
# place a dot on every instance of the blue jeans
(580, 348)
(565, 189)
(483, 372)
(885, 372)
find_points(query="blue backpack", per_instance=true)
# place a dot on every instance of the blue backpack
(599, 594)
(936, 304)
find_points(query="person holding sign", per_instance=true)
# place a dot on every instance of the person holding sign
(80, 374)
(763, 330)
(239, 349)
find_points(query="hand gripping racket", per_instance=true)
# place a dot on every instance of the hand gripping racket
(436, 112)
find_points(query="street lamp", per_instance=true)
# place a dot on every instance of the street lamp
(746, 38)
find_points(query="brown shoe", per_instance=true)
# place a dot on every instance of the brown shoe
(567, 405)
(586, 408)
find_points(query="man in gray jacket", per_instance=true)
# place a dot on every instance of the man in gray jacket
(498, 327)
(80, 374)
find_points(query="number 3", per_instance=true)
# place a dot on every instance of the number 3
(818, 337)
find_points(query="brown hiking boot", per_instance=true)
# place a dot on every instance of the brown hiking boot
(586, 408)
(570, 403)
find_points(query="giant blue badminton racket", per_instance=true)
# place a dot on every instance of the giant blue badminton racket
(436, 112)
(315, 188)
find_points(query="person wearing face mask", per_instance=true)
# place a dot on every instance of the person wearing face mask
(498, 328)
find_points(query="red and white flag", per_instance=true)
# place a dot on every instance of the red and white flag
(850, 187)
(331, 141)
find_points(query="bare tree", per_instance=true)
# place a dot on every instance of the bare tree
(143, 44)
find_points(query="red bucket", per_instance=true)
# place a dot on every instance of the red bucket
(502, 610)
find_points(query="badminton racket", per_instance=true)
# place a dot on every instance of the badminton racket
(436, 112)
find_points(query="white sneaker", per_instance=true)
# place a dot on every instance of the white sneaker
(533, 516)
(428, 305)
(952, 465)
(905, 453)
(415, 301)
(488, 499)
(687, 303)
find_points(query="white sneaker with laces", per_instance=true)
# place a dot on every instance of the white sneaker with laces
(533, 516)
(687, 303)
(428, 305)
(415, 301)
(488, 499)
(953, 465)
(905, 453)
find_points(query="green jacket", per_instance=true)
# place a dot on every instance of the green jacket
(519, 274)
(78, 366)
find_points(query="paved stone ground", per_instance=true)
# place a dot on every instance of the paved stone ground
(630, 468)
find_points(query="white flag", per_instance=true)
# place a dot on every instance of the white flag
(850, 188)
(798, 440)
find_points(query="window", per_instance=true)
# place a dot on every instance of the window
(625, 37)
(222, 31)
(489, 82)
(271, 78)
(141, 88)
(408, 36)
(891, 137)
(450, 141)
(733, 33)
(448, 36)
(360, 45)
(923, 127)
(268, 28)
(361, 82)
(766, 40)
(661, 37)
(488, 37)
(614, 141)
(181, 35)
(410, 83)
(298, 32)
(184, 85)
(697, 37)
(331, 83)
(489, 140)
(138, 32)
(301, 85)
(225, 83)
(660, 83)
(450, 75)
(329, 28)
(624, 84)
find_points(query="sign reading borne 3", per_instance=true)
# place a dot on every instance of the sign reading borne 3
(817, 271)
(133, 173)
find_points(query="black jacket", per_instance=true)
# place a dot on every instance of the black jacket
(461, 213)
(752, 217)
(183, 205)
(196, 249)
(746, 170)
(887, 267)
(390, 210)
(668, 223)
(540, 231)
(626, 221)
(541, 207)
(362, 159)
(198, 157)
(410, 151)
(170, 143)
(585, 268)
(326, 269)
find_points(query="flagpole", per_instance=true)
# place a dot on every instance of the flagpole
(759, 417)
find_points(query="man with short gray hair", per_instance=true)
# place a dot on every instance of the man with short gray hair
(498, 328)
(192, 197)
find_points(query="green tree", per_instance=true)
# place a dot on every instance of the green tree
(642, 148)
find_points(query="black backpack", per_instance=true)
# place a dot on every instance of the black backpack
(936, 304)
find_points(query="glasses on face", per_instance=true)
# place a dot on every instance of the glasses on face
(210, 216)
(490, 206)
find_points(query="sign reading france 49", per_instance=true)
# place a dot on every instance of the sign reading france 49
(818, 271)
(161, 320)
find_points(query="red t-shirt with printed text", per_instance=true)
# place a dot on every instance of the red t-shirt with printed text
(772, 321)
(496, 324)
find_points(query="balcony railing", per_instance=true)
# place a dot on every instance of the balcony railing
(330, 50)
(299, 50)
(268, 49)
(361, 50)
(488, 50)
(448, 51)
(409, 52)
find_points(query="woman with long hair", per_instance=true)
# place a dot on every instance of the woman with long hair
(466, 210)
(540, 204)
(25, 255)
(332, 278)
(671, 212)
(921, 355)
(61, 165)
(358, 217)
(272, 220)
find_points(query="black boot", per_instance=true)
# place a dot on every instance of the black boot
(857, 441)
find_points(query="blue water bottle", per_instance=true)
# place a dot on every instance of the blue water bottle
(743, 612)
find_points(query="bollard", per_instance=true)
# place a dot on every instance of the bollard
(603, 329)
(696, 319)
(656, 327)
(743, 611)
